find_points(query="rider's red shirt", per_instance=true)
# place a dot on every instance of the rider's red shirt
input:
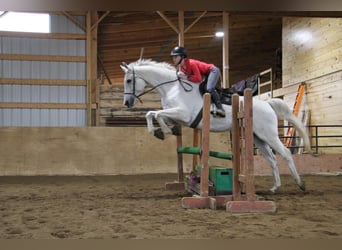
(194, 69)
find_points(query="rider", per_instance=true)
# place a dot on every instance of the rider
(192, 70)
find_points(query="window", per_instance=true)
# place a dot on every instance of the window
(24, 22)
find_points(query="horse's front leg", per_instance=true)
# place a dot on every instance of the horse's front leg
(157, 132)
(149, 120)
(174, 114)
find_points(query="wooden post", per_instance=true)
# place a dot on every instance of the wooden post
(91, 41)
(244, 173)
(225, 50)
(179, 184)
(180, 157)
(248, 151)
(196, 143)
(89, 72)
(236, 147)
(204, 188)
(203, 200)
(181, 28)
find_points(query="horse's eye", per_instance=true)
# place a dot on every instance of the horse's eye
(128, 80)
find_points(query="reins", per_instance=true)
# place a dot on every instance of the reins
(157, 86)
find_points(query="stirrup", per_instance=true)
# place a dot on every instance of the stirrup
(221, 113)
(218, 113)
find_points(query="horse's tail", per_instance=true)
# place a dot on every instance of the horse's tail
(283, 112)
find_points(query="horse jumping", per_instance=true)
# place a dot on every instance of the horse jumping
(182, 101)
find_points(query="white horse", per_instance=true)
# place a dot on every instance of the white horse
(182, 102)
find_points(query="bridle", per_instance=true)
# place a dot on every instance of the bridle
(156, 86)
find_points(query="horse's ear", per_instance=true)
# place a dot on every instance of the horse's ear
(124, 66)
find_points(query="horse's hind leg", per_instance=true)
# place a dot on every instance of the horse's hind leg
(266, 151)
(279, 147)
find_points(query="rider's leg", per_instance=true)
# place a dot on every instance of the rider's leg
(216, 98)
(211, 84)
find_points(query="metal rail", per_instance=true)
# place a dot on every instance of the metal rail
(315, 137)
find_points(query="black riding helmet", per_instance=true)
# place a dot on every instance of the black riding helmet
(179, 51)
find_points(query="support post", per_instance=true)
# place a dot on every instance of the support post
(244, 173)
(204, 188)
(203, 200)
(179, 184)
(225, 50)
(196, 143)
(236, 147)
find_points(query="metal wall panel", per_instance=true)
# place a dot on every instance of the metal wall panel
(42, 117)
(61, 24)
(34, 46)
(42, 94)
(44, 70)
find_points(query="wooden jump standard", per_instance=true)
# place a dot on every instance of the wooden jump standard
(243, 198)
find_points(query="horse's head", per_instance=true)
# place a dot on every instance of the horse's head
(133, 85)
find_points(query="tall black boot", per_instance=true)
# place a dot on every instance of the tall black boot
(216, 99)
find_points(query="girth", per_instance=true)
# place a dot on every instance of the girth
(197, 119)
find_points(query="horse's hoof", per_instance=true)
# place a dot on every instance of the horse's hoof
(176, 131)
(159, 134)
(302, 186)
(272, 191)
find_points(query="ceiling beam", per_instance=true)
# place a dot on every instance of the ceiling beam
(194, 22)
(168, 21)
(74, 20)
(100, 19)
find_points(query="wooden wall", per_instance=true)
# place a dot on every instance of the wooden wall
(29, 151)
(111, 104)
(94, 151)
(253, 40)
(312, 53)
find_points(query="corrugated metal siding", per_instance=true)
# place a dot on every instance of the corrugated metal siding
(61, 24)
(34, 46)
(42, 94)
(44, 70)
(42, 117)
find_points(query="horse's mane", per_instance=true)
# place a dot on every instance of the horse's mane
(150, 62)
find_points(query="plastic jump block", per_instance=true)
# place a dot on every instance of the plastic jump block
(198, 151)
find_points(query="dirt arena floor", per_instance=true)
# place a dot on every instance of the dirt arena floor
(138, 207)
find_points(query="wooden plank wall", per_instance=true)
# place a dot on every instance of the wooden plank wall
(312, 53)
(95, 151)
(111, 104)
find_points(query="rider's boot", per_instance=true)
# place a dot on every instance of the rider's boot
(216, 98)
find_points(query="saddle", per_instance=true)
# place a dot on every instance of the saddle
(239, 87)
(227, 93)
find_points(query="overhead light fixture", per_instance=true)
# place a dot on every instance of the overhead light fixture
(219, 34)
